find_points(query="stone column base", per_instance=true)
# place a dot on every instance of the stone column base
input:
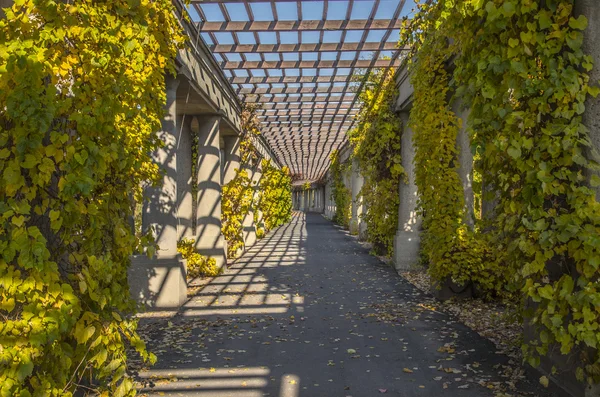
(158, 282)
(212, 246)
(249, 233)
(449, 289)
(406, 249)
(362, 231)
(353, 227)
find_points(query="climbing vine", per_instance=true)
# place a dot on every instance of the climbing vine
(376, 147)
(238, 196)
(453, 250)
(242, 195)
(197, 265)
(276, 195)
(521, 68)
(82, 91)
(340, 193)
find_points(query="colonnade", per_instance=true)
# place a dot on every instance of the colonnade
(309, 200)
(170, 212)
(407, 239)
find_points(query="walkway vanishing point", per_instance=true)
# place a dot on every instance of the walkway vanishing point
(308, 312)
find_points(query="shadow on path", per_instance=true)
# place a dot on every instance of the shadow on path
(308, 312)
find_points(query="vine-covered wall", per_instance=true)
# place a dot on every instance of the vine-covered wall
(519, 66)
(376, 147)
(342, 196)
(82, 91)
(275, 200)
(272, 194)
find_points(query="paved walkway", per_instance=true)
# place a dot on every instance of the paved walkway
(308, 312)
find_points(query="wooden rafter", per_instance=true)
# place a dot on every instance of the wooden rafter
(304, 115)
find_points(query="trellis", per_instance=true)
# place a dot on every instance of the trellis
(304, 78)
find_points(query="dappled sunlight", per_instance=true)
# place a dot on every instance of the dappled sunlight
(235, 382)
(244, 289)
(307, 312)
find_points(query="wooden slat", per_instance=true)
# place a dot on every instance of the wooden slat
(298, 26)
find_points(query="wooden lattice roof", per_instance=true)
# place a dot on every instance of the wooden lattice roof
(298, 59)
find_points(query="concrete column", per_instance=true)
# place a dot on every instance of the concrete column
(257, 179)
(296, 200)
(160, 210)
(249, 228)
(362, 225)
(407, 240)
(330, 200)
(465, 164)
(488, 204)
(184, 178)
(209, 240)
(591, 46)
(356, 183)
(318, 193)
(161, 281)
(232, 157)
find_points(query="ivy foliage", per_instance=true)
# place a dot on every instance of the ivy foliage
(451, 247)
(275, 199)
(82, 90)
(237, 201)
(238, 194)
(521, 68)
(376, 147)
(342, 196)
(242, 195)
(197, 265)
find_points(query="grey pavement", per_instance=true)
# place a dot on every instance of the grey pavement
(308, 312)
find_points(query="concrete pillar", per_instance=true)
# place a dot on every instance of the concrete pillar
(294, 199)
(184, 179)
(465, 164)
(160, 210)
(330, 201)
(362, 225)
(591, 46)
(407, 240)
(209, 240)
(356, 183)
(248, 226)
(160, 281)
(319, 193)
(232, 157)
(257, 180)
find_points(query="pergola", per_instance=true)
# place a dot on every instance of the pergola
(303, 62)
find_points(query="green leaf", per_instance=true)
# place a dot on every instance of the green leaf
(29, 162)
(544, 20)
(514, 152)
(580, 23)
(25, 370)
(86, 334)
(546, 292)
